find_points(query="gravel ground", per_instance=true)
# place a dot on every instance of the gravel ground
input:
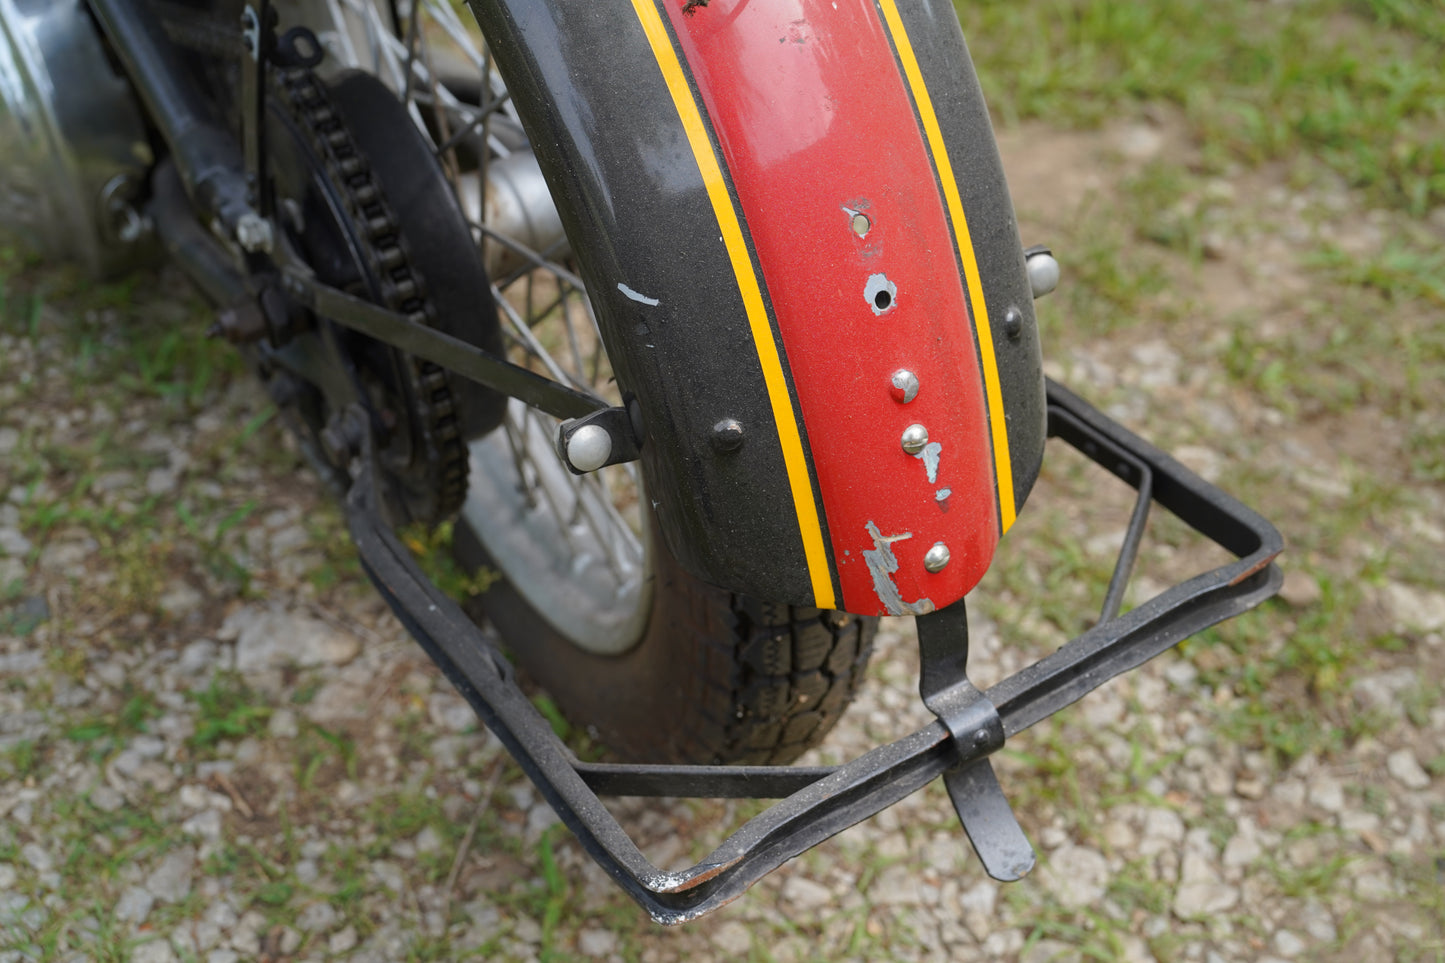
(216, 744)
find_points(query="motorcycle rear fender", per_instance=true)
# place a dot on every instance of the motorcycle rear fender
(778, 210)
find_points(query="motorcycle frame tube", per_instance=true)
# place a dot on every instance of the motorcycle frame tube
(686, 310)
(206, 156)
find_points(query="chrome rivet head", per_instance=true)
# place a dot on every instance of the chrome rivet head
(1043, 272)
(936, 558)
(914, 438)
(905, 386)
(589, 447)
(859, 223)
(727, 435)
(1013, 323)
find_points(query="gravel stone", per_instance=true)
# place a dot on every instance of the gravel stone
(594, 942)
(206, 825)
(1327, 793)
(1382, 691)
(1405, 768)
(1287, 944)
(1300, 589)
(1242, 850)
(272, 639)
(805, 894)
(317, 918)
(389, 875)
(1048, 951)
(180, 599)
(342, 941)
(7, 876)
(13, 543)
(38, 857)
(12, 571)
(1201, 892)
(170, 882)
(451, 712)
(201, 656)
(106, 799)
(732, 939)
(134, 905)
(1415, 608)
(1077, 875)
(283, 724)
(154, 951)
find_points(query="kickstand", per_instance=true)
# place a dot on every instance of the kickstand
(977, 731)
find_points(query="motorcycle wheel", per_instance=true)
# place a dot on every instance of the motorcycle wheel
(658, 665)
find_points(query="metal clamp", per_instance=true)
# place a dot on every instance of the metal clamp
(978, 731)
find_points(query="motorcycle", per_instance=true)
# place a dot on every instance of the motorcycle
(706, 321)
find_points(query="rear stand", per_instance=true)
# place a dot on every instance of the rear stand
(818, 802)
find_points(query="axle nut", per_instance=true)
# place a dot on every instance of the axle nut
(589, 447)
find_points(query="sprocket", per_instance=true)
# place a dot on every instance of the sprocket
(363, 199)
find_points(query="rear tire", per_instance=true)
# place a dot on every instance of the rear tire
(715, 677)
(660, 666)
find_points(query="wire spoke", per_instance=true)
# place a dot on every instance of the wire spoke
(546, 316)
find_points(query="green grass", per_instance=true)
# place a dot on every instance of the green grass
(1257, 82)
(227, 709)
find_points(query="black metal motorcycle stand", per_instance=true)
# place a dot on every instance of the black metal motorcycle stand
(818, 802)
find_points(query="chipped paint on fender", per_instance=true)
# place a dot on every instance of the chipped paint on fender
(929, 456)
(635, 296)
(882, 563)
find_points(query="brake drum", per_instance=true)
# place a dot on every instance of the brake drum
(73, 146)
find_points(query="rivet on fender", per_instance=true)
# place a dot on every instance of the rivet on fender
(904, 386)
(914, 438)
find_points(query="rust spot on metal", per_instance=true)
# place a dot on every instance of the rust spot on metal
(700, 878)
(1253, 569)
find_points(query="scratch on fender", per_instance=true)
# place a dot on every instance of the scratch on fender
(882, 563)
(639, 298)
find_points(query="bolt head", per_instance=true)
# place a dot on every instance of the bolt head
(589, 447)
(936, 558)
(1043, 273)
(1013, 323)
(914, 438)
(253, 233)
(904, 386)
(727, 435)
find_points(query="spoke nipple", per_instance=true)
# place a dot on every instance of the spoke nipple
(588, 448)
(914, 438)
(727, 435)
(905, 386)
(936, 558)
